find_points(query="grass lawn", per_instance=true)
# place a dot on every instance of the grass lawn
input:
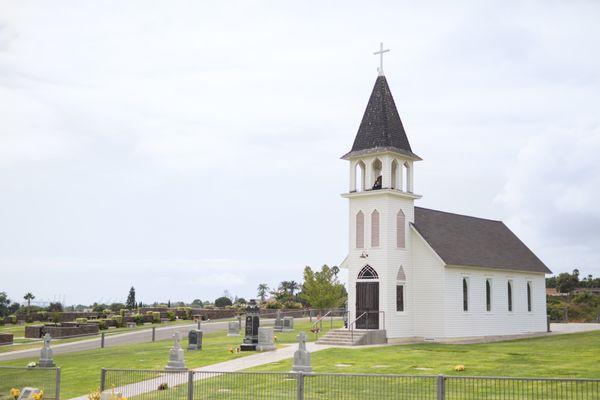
(569, 356)
(81, 370)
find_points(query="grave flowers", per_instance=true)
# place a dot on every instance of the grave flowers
(15, 393)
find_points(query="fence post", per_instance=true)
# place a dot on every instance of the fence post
(299, 386)
(57, 387)
(190, 395)
(310, 315)
(102, 380)
(153, 333)
(441, 387)
(102, 340)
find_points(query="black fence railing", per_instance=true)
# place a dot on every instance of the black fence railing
(190, 385)
(45, 379)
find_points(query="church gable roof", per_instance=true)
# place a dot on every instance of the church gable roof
(470, 241)
(381, 128)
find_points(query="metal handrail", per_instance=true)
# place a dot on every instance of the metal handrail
(351, 325)
(320, 320)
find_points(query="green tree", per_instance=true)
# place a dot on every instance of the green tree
(130, 304)
(4, 304)
(55, 307)
(223, 302)
(566, 283)
(322, 289)
(263, 289)
(28, 297)
(197, 303)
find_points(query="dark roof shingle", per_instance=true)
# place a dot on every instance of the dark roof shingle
(470, 241)
(381, 127)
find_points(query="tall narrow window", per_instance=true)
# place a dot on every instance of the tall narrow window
(529, 296)
(465, 295)
(375, 229)
(399, 297)
(360, 230)
(400, 230)
(509, 295)
(488, 295)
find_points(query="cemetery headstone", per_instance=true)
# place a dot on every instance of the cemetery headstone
(46, 360)
(288, 324)
(265, 339)
(252, 325)
(195, 340)
(278, 322)
(233, 328)
(176, 360)
(301, 356)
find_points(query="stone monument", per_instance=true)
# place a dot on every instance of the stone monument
(176, 360)
(301, 356)
(46, 360)
(288, 324)
(252, 324)
(195, 340)
(233, 328)
(278, 322)
(265, 339)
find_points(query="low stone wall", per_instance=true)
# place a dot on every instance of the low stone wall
(6, 338)
(59, 331)
(64, 316)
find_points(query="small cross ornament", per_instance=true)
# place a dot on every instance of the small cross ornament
(380, 52)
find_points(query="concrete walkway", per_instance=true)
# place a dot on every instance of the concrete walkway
(180, 378)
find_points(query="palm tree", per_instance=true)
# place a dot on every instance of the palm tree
(263, 288)
(29, 296)
(293, 286)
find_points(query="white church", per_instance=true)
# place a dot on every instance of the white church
(420, 274)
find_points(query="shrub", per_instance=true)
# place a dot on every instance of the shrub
(102, 325)
(43, 316)
(171, 315)
(163, 386)
(118, 320)
(11, 319)
(138, 319)
(274, 305)
(1, 321)
(187, 312)
(222, 302)
(55, 317)
(106, 311)
(81, 320)
(155, 317)
(123, 311)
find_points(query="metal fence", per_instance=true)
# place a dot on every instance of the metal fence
(46, 379)
(190, 385)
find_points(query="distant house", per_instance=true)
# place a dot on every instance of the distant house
(553, 292)
(587, 290)
(419, 273)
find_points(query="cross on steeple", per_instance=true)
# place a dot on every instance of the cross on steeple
(380, 52)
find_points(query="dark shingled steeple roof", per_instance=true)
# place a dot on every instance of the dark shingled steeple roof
(381, 128)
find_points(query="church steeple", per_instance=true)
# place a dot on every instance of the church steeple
(381, 129)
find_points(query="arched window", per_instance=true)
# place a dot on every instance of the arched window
(360, 230)
(367, 273)
(509, 295)
(465, 291)
(529, 296)
(400, 230)
(375, 229)
(377, 177)
(401, 279)
(359, 177)
(395, 174)
(488, 295)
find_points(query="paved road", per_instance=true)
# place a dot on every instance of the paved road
(139, 336)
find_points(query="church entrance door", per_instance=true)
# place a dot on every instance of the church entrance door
(367, 301)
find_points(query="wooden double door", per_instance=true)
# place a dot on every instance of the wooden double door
(367, 301)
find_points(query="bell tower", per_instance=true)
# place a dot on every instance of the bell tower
(381, 198)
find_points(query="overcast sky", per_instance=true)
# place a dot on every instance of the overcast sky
(187, 148)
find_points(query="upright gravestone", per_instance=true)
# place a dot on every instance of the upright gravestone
(46, 360)
(288, 324)
(278, 322)
(301, 356)
(195, 340)
(265, 339)
(233, 328)
(252, 325)
(176, 360)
